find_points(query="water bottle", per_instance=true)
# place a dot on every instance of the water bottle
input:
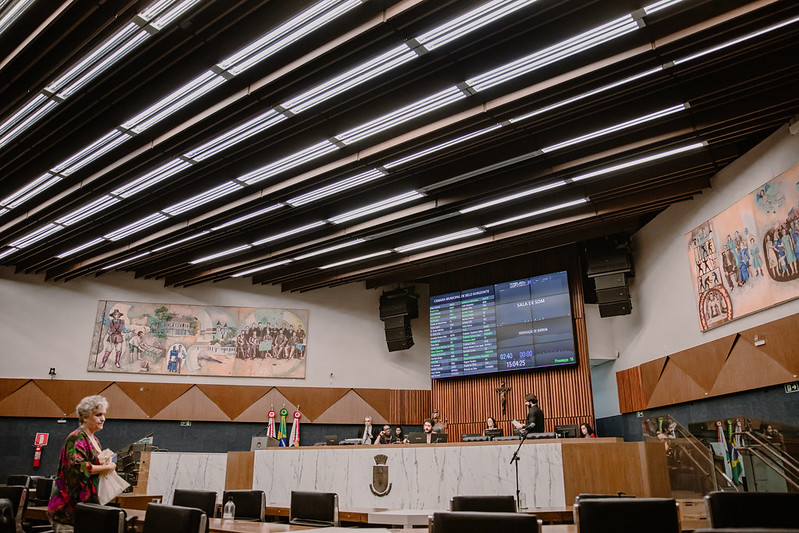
(229, 510)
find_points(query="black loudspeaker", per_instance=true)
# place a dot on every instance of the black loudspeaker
(610, 281)
(608, 296)
(615, 309)
(403, 344)
(397, 308)
(609, 262)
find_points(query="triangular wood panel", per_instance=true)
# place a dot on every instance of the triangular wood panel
(379, 399)
(784, 353)
(30, 400)
(703, 363)
(674, 386)
(650, 374)
(193, 405)
(120, 405)
(154, 397)
(9, 386)
(350, 409)
(749, 368)
(233, 401)
(313, 401)
(67, 394)
(259, 411)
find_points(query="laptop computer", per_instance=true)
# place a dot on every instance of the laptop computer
(439, 437)
(417, 437)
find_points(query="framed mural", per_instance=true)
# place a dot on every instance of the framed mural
(746, 258)
(158, 338)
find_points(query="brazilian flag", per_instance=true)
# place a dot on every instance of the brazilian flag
(282, 434)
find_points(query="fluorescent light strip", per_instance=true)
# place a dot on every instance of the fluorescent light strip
(178, 99)
(128, 260)
(136, 227)
(36, 236)
(335, 188)
(289, 162)
(3, 211)
(586, 94)
(441, 146)
(639, 161)
(24, 111)
(657, 6)
(309, 20)
(203, 198)
(260, 268)
(537, 212)
(8, 252)
(173, 14)
(155, 9)
(356, 259)
(238, 134)
(516, 196)
(12, 12)
(81, 247)
(360, 74)
(376, 207)
(221, 254)
(247, 217)
(404, 114)
(737, 40)
(439, 240)
(151, 178)
(618, 127)
(477, 18)
(289, 233)
(101, 146)
(88, 210)
(554, 53)
(31, 189)
(181, 241)
(22, 126)
(329, 249)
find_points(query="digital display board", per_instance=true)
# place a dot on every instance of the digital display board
(516, 325)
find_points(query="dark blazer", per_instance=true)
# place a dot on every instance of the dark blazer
(535, 416)
(375, 432)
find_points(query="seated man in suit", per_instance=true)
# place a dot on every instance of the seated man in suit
(369, 433)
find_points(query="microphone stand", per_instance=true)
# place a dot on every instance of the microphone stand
(515, 461)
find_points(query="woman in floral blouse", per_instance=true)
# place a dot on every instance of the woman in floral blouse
(81, 462)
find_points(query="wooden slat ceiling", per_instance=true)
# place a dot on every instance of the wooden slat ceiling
(732, 98)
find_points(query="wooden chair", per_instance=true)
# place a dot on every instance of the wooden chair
(752, 509)
(250, 504)
(486, 504)
(314, 508)
(201, 499)
(627, 515)
(162, 518)
(95, 518)
(480, 522)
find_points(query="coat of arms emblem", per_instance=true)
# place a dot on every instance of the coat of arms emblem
(380, 485)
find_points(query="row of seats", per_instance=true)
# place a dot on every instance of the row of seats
(94, 518)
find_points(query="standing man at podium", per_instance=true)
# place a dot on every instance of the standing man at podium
(535, 416)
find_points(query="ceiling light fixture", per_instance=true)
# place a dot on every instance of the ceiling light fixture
(439, 240)
(512, 197)
(24, 118)
(87, 210)
(81, 247)
(329, 249)
(556, 52)
(136, 227)
(436, 148)
(31, 189)
(128, 260)
(468, 22)
(639, 161)
(657, 6)
(290, 232)
(335, 188)
(36, 236)
(617, 127)
(376, 207)
(221, 254)
(151, 178)
(238, 134)
(289, 162)
(355, 259)
(7, 252)
(203, 198)
(241, 219)
(537, 212)
(181, 241)
(97, 149)
(10, 12)
(261, 268)
(165, 18)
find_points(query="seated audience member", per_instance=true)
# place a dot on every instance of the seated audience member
(586, 432)
(369, 433)
(398, 437)
(491, 423)
(384, 437)
(427, 427)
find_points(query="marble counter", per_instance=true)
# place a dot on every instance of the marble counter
(421, 477)
(198, 471)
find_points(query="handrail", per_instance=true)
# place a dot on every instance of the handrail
(779, 461)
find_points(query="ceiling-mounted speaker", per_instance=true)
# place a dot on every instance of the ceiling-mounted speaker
(399, 302)
(615, 309)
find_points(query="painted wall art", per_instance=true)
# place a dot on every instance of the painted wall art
(746, 258)
(178, 339)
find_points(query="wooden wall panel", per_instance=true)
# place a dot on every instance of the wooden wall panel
(238, 473)
(409, 407)
(723, 366)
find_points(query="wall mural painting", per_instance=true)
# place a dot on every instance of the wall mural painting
(746, 258)
(197, 340)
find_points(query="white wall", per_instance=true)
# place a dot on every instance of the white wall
(44, 324)
(664, 319)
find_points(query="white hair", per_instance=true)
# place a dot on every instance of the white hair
(89, 405)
